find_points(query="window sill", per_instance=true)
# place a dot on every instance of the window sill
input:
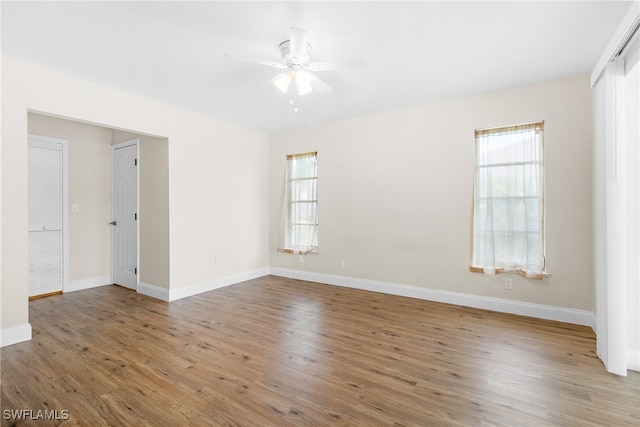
(543, 275)
(298, 252)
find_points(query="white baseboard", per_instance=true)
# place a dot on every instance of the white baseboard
(153, 291)
(209, 285)
(560, 314)
(91, 282)
(594, 322)
(633, 360)
(15, 334)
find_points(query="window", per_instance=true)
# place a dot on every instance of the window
(509, 200)
(299, 216)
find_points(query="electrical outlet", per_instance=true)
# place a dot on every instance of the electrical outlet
(301, 259)
(217, 260)
(341, 263)
(508, 282)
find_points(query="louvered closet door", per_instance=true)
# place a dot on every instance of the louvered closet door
(45, 216)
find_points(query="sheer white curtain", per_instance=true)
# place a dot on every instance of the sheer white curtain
(509, 200)
(299, 211)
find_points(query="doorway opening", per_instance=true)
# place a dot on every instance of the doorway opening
(90, 173)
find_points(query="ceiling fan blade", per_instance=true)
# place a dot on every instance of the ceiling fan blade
(338, 64)
(272, 80)
(282, 81)
(273, 64)
(298, 44)
(318, 85)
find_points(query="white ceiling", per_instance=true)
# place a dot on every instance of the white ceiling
(415, 52)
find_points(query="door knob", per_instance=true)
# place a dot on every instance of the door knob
(112, 223)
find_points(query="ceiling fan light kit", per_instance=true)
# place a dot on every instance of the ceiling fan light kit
(297, 80)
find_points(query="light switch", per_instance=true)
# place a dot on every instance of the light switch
(75, 207)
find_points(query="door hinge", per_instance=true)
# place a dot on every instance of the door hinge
(135, 163)
(135, 270)
(135, 216)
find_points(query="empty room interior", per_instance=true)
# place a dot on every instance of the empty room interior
(367, 213)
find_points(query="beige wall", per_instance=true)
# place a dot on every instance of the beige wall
(89, 189)
(153, 265)
(395, 193)
(395, 188)
(218, 178)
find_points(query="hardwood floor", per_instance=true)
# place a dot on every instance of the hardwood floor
(280, 352)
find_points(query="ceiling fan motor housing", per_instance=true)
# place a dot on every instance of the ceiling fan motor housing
(285, 52)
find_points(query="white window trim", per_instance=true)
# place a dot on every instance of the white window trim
(477, 266)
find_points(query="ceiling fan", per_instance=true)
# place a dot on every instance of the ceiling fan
(297, 77)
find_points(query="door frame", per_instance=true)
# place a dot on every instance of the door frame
(136, 142)
(65, 199)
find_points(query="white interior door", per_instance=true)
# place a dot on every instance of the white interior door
(47, 183)
(125, 214)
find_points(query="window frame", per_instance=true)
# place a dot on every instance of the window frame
(291, 215)
(476, 264)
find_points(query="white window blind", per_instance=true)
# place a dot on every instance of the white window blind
(299, 214)
(509, 200)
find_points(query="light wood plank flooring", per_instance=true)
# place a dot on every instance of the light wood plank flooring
(281, 352)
